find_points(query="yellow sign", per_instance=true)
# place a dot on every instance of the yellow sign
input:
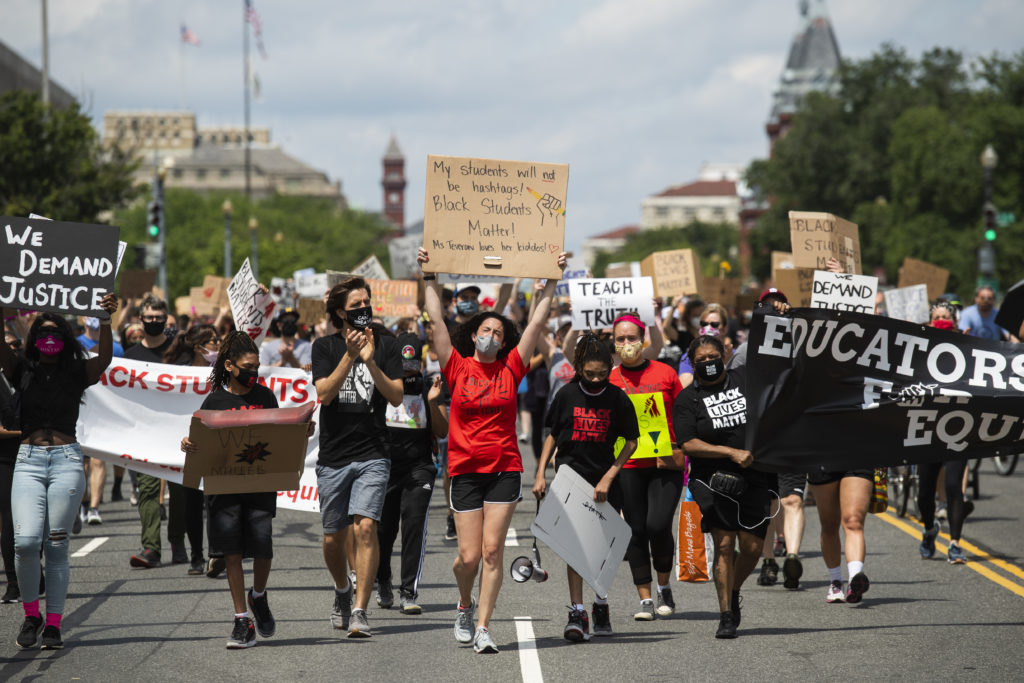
(654, 441)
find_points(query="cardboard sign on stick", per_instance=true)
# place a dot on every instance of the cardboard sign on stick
(720, 290)
(817, 236)
(135, 284)
(215, 291)
(312, 311)
(597, 302)
(183, 305)
(252, 309)
(674, 272)
(55, 266)
(590, 537)
(914, 272)
(234, 457)
(393, 298)
(199, 304)
(908, 303)
(781, 260)
(844, 291)
(796, 284)
(494, 217)
(623, 269)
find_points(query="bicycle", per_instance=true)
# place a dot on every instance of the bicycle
(1005, 464)
(903, 485)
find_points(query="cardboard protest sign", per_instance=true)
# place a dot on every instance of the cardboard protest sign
(234, 457)
(782, 260)
(574, 270)
(183, 306)
(479, 280)
(135, 284)
(914, 272)
(721, 290)
(796, 284)
(590, 537)
(844, 291)
(746, 302)
(313, 286)
(393, 298)
(488, 216)
(674, 272)
(817, 236)
(597, 302)
(56, 266)
(371, 269)
(198, 304)
(655, 440)
(215, 292)
(312, 311)
(623, 269)
(402, 252)
(908, 303)
(252, 309)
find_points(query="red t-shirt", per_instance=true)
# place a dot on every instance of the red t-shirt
(482, 417)
(650, 377)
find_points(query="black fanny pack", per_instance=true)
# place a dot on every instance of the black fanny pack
(728, 484)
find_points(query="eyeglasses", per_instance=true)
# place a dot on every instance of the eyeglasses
(154, 318)
(713, 323)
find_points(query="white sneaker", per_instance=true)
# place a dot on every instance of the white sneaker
(666, 605)
(646, 612)
(835, 592)
(93, 517)
(483, 643)
(464, 623)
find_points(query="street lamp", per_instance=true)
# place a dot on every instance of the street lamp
(228, 210)
(987, 253)
(254, 259)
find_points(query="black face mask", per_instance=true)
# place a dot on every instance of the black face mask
(247, 378)
(709, 370)
(170, 331)
(593, 387)
(289, 328)
(154, 329)
(359, 318)
(413, 386)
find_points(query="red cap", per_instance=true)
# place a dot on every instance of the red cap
(773, 291)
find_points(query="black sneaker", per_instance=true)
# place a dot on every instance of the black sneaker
(726, 626)
(666, 603)
(762, 578)
(602, 620)
(28, 636)
(577, 630)
(52, 639)
(178, 553)
(147, 559)
(736, 600)
(260, 608)
(163, 513)
(772, 576)
(12, 594)
(215, 567)
(859, 585)
(385, 595)
(197, 567)
(243, 635)
(450, 534)
(115, 495)
(792, 570)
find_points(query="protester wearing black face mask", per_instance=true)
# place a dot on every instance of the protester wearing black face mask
(710, 418)
(288, 351)
(586, 418)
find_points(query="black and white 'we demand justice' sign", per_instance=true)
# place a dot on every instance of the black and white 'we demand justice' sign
(56, 266)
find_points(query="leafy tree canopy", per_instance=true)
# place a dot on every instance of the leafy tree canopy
(713, 242)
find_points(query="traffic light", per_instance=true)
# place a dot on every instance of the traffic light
(153, 212)
(991, 222)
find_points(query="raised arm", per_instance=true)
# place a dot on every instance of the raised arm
(657, 341)
(95, 366)
(432, 303)
(539, 314)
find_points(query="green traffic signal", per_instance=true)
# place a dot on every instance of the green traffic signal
(154, 230)
(990, 235)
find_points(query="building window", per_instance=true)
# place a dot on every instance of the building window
(225, 173)
(200, 174)
(689, 214)
(718, 212)
(177, 173)
(661, 211)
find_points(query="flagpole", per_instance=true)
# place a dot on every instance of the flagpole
(181, 68)
(245, 69)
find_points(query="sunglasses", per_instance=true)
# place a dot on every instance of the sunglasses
(715, 324)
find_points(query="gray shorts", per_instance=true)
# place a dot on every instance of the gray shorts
(355, 489)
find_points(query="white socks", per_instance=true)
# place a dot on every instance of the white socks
(854, 568)
(835, 573)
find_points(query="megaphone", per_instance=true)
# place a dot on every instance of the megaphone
(523, 568)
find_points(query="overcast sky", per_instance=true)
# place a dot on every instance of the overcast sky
(633, 94)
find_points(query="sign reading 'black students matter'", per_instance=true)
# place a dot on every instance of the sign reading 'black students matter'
(832, 390)
(57, 266)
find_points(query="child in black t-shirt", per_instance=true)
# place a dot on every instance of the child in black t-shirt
(586, 418)
(239, 524)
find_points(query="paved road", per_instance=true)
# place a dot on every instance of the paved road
(921, 620)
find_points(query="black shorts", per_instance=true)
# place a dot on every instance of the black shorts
(819, 478)
(792, 484)
(469, 492)
(240, 524)
(748, 512)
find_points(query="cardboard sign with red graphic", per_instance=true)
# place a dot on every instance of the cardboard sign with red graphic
(252, 309)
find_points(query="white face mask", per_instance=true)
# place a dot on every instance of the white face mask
(210, 356)
(695, 321)
(487, 346)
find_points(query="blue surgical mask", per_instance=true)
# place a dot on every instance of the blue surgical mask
(487, 346)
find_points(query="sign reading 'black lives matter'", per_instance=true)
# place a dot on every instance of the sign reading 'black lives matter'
(56, 266)
(837, 391)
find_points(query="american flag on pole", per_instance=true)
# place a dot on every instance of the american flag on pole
(188, 37)
(253, 17)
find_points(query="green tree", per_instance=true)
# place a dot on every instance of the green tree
(896, 151)
(52, 163)
(713, 242)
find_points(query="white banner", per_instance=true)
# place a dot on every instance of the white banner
(138, 413)
(908, 303)
(252, 309)
(844, 292)
(599, 301)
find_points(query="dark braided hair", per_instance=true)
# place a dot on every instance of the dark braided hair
(591, 347)
(706, 340)
(232, 347)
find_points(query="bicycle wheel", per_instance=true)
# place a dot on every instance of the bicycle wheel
(1005, 464)
(896, 486)
(908, 490)
(974, 478)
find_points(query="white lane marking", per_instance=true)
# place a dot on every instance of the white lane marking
(511, 537)
(90, 546)
(529, 660)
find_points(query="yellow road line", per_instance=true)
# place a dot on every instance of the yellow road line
(1008, 567)
(977, 563)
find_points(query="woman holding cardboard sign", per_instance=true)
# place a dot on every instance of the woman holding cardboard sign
(48, 480)
(483, 364)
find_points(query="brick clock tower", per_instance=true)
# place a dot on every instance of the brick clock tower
(393, 183)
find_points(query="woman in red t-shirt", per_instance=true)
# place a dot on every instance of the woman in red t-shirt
(483, 363)
(651, 486)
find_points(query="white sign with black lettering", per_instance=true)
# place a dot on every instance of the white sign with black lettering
(252, 309)
(597, 302)
(574, 270)
(312, 286)
(908, 303)
(844, 292)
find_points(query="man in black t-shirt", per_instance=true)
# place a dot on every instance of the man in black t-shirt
(151, 350)
(356, 372)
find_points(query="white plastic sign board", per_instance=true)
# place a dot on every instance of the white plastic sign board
(575, 269)
(371, 269)
(590, 537)
(402, 251)
(908, 303)
(252, 309)
(312, 286)
(844, 292)
(596, 302)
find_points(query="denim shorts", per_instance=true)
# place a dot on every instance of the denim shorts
(241, 524)
(355, 489)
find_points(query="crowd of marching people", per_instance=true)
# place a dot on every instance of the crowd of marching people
(442, 400)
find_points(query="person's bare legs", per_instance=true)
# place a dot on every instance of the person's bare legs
(826, 497)
(750, 552)
(724, 569)
(575, 586)
(97, 478)
(335, 557)
(364, 532)
(236, 582)
(854, 498)
(793, 523)
(469, 526)
(496, 519)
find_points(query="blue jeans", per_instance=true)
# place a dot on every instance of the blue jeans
(45, 497)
